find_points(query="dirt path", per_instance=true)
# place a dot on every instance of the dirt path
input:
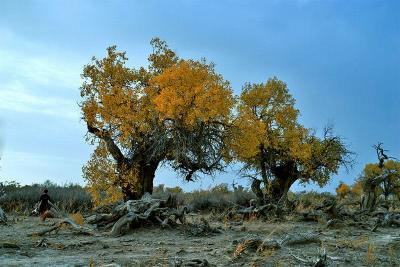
(153, 246)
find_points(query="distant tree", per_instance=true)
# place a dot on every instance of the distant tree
(356, 189)
(174, 190)
(270, 141)
(220, 188)
(342, 190)
(159, 188)
(379, 178)
(173, 111)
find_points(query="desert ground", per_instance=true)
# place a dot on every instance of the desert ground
(229, 245)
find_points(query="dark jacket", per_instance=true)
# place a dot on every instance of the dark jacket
(44, 202)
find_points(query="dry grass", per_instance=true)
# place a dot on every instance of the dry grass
(22, 199)
(370, 257)
(77, 218)
(354, 244)
(393, 257)
(242, 247)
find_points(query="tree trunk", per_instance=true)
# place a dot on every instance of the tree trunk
(368, 199)
(285, 176)
(279, 188)
(256, 188)
(141, 183)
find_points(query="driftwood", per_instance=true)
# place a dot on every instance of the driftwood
(3, 217)
(134, 213)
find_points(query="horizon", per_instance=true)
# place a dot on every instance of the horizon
(339, 60)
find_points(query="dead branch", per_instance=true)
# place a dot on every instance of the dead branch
(67, 221)
(257, 243)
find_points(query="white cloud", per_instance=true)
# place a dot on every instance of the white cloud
(37, 63)
(15, 97)
(28, 70)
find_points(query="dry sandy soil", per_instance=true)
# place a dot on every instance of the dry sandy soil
(154, 246)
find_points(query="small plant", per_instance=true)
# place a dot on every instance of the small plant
(393, 258)
(370, 259)
(91, 262)
(242, 247)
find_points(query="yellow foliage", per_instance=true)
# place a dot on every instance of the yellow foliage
(101, 177)
(357, 188)
(267, 135)
(131, 106)
(342, 190)
(267, 118)
(391, 172)
(189, 92)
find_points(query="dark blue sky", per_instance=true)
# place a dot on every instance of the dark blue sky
(340, 60)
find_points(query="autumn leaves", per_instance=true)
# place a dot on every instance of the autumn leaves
(182, 112)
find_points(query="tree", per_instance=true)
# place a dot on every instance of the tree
(175, 111)
(342, 190)
(275, 148)
(379, 178)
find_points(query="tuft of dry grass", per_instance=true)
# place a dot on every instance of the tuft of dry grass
(77, 218)
(242, 247)
(370, 257)
(353, 244)
(393, 258)
(22, 199)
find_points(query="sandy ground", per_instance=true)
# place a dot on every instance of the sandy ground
(153, 246)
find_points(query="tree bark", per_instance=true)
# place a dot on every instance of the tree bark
(285, 176)
(141, 183)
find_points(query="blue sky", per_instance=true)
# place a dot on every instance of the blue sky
(340, 60)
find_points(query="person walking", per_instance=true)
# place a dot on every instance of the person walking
(44, 205)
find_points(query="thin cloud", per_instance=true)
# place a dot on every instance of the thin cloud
(15, 97)
(34, 79)
(36, 63)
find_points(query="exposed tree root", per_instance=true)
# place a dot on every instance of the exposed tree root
(134, 213)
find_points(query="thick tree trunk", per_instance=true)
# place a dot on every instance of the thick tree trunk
(285, 176)
(279, 188)
(256, 188)
(140, 183)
